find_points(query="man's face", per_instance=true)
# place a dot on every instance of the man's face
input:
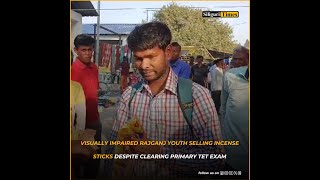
(199, 61)
(224, 65)
(152, 63)
(239, 59)
(84, 53)
(220, 64)
(175, 53)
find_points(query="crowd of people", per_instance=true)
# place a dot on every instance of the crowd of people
(219, 106)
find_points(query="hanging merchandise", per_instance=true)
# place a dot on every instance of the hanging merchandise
(102, 54)
(122, 54)
(112, 56)
(117, 64)
(113, 60)
(109, 56)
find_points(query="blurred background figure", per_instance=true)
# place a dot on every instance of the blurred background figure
(216, 76)
(125, 67)
(179, 67)
(235, 110)
(240, 57)
(133, 78)
(199, 72)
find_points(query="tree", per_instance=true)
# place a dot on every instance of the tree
(189, 28)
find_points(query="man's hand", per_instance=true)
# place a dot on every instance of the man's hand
(142, 149)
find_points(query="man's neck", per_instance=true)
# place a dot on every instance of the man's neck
(87, 64)
(158, 85)
(174, 61)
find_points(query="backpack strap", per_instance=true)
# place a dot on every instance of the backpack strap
(185, 100)
(135, 88)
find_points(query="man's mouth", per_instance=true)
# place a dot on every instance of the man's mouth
(147, 74)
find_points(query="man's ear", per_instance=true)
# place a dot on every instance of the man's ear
(75, 50)
(168, 52)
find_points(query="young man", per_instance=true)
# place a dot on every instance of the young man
(199, 72)
(179, 67)
(156, 106)
(235, 111)
(85, 72)
(191, 61)
(216, 75)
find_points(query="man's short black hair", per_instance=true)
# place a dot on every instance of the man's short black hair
(83, 40)
(199, 57)
(148, 36)
(176, 44)
(242, 49)
(218, 60)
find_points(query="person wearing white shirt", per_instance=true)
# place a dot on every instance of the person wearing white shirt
(216, 76)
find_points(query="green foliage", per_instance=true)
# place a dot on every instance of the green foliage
(189, 28)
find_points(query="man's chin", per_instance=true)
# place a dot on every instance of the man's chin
(149, 78)
(85, 61)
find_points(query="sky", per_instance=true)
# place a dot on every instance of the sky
(135, 12)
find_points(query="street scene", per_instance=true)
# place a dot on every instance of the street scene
(209, 45)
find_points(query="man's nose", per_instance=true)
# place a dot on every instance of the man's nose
(145, 63)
